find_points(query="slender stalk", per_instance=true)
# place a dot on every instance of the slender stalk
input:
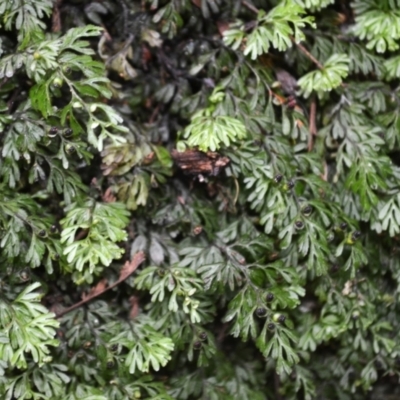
(138, 258)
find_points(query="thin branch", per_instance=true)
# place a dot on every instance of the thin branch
(14, 96)
(56, 17)
(324, 176)
(3, 81)
(154, 114)
(137, 259)
(312, 123)
(307, 53)
(124, 49)
(250, 6)
(277, 384)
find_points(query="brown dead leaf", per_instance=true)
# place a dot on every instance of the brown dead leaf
(56, 308)
(95, 290)
(149, 158)
(195, 162)
(222, 27)
(108, 196)
(340, 18)
(197, 3)
(56, 17)
(106, 34)
(131, 266)
(348, 287)
(181, 200)
(197, 230)
(134, 301)
(280, 99)
(94, 182)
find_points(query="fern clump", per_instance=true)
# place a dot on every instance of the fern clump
(200, 199)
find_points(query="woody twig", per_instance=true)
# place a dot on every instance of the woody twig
(127, 270)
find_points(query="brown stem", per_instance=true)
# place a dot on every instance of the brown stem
(324, 176)
(250, 6)
(15, 94)
(307, 54)
(3, 82)
(154, 114)
(137, 259)
(81, 234)
(312, 124)
(310, 56)
(277, 385)
(56, 17)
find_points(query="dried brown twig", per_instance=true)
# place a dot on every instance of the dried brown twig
(250, 7)
(127, 270)
(312, 123)
(56, 17)
(307, 54)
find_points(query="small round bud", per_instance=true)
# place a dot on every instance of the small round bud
(42, 233)
(197, 345)
(330, 236)
(70, 149)
(353, 237)
(299, 225)
(307, 210)
(287, 186)
(67, 133)
(77, 104)
(197, 230)
(24, 275)
(87, 344)
(279, 318)
(203, 336)
(53, 229)
(66, 69)
(110, 364)
(114, 347)
(137, 394)
(57, 82)
(343, 226)
(335, 268)
(261, 312)
(52, 132)
(271, 326)
(356, 235)
(355, 315)
(278, 178)
(269, 297)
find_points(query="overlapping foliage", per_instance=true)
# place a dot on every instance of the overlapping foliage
(272, 276)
